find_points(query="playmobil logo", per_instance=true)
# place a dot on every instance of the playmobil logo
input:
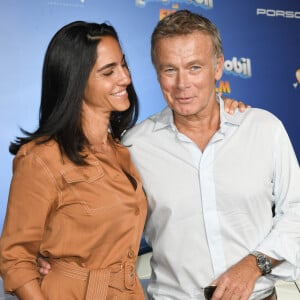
(207, 4)
(241, 67)
(275, 13)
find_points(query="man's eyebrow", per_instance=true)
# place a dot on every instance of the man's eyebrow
(163, 66)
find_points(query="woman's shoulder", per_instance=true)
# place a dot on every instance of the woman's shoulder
(39, 147)
(45, 151)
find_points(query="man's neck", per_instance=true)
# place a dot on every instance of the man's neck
(199, 128)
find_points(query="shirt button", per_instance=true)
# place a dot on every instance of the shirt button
(131, 253)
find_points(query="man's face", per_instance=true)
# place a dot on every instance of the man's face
(187, 70)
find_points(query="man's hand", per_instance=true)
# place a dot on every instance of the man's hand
(43, 266)
(237, 283)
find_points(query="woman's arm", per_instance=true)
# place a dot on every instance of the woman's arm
(31, 194)
(30, 291)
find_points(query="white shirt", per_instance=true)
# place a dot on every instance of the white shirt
(209, 210)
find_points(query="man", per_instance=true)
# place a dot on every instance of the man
(212, 179)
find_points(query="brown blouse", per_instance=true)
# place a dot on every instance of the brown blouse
(87, 219)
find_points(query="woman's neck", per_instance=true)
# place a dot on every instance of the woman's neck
(95, 126)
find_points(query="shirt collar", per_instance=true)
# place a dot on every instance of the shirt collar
(226, 118)
(165, 118)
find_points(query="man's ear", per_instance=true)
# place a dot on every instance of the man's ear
(219, 67)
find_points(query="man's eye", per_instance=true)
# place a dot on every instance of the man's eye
(169, 70)
(195, 68)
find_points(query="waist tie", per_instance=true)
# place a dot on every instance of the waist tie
(121, 276)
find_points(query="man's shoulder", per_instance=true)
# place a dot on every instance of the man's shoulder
(142, 130)
(262, 116)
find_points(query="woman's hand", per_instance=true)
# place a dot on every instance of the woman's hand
(230, 105)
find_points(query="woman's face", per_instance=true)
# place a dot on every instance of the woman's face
(105, 90)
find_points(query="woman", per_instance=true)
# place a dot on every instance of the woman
(75, 195)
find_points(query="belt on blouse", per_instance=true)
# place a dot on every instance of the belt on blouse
(120, 275)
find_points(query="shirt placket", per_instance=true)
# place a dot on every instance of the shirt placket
(209, 206)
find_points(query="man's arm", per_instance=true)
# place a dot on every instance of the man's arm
(238, 281)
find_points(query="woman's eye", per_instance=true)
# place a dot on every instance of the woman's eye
(108, 73)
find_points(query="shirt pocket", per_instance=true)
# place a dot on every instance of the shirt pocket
(83, 174)
(84, 190)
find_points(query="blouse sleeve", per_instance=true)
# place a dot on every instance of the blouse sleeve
(32, 191)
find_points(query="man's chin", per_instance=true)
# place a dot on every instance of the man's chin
(183, 111)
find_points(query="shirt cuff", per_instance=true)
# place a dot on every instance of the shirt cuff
(279, 247)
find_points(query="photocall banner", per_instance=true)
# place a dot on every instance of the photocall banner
(261, 40)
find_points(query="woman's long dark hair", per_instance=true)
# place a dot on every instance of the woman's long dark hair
(69, 58)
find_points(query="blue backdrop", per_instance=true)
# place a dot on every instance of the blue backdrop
(261, 40)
